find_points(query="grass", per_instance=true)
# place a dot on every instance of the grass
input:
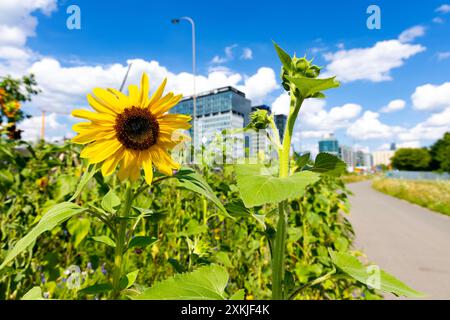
(434, 195)
(352, 178)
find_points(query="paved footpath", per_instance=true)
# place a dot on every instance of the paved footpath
(408, 241)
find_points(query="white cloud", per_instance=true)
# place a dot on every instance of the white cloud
(438, 20)
(443, 55)
(439, 119)
(393, 106)
(431, 97)
(369, 127)
(314, 116)
(314, 120)
(16, 25)
(411, 34)
(54, 128)
(373, 63)
(259, 85)
(443, 9)
(229, 55)
(65, 88)
(281, 104)
(247, 54)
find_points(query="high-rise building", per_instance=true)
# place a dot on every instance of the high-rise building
(217, 110)
(329, 144)
(280, 122)
(393, 146)
(382, 157)
(347, 155)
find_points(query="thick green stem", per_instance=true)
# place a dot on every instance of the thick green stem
(121, 241)
(278, 254)
(278, 263)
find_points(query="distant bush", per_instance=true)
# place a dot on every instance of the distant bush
(411, 159)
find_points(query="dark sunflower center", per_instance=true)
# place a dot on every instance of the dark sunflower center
(137, 128)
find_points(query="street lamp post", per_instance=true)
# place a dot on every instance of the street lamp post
(194, 96)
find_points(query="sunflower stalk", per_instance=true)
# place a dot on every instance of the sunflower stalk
(119, 255)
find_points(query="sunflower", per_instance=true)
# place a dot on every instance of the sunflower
(131, 131)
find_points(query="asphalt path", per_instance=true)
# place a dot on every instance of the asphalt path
(408, 241)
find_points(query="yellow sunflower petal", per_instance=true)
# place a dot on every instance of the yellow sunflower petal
(108, 99)
(163, 161)
(148, 169)
(92, 135)
(166, 105)
(134, 94)
(111, 163)
(171, 122)
(123, 98)
(93, 116)
(143, 99)
(125, 165)
(100, 106)
(78, 127)
(158, 93)
(98, 151)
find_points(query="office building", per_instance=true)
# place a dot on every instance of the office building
(217, 110)
(329, 144)
(347, 155)
(382, 157)
(280, 122)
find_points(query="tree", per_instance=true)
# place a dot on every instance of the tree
(411, 159)
(12, 93)
(440, 154)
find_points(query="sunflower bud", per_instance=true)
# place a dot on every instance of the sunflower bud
(259, 120)
(300, 65)
(312, 72)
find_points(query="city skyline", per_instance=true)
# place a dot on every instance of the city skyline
(395, 85)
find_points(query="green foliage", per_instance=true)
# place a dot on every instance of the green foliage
(329, 164)
(440, 154)
(191, 180)
(257, 186)
(375, 277)
(205, 283)
(411, 159)
(189, 233)
(51, 219)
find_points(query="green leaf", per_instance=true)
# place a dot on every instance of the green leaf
(301, 161)
(285, 58)
(96, 289)
(64, 186)
(236, 208)
(329, 164)
(128, 280)
(87, 175)
(258, 187)
(106, 240)
(79, 229)
(309, 87)
(56, 215)
(142, 241)
(387, 283)
(110, 201)
(222, 258)
(191, 180)
(205, 283)
(238, 295)
(34, 293)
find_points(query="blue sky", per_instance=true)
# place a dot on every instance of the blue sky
(114, 32)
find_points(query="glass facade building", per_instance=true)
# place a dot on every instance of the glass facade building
(216, 110)
(329, 144)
